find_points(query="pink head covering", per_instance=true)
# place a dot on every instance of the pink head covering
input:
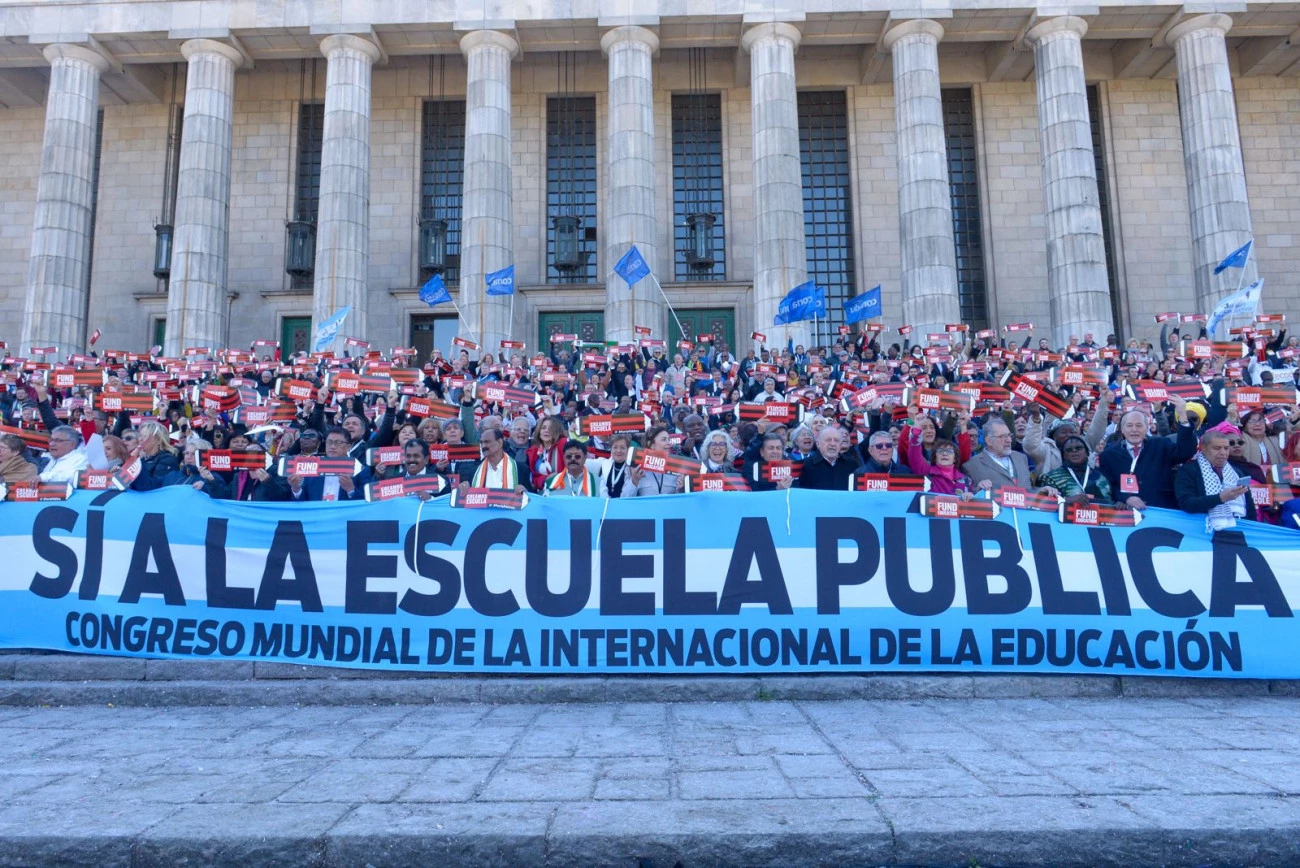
(1228, 428)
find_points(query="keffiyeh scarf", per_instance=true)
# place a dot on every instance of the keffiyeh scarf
(1225, 514)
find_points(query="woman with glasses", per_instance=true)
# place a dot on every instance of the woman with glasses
(1237, 453)
(1260, 447)
(718, 454)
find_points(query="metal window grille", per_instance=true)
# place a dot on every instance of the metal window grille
(827, 198)
(442, 173)
(306, 201)
(697, 179)
(1103, 202)
(963, 187)
(571, 180)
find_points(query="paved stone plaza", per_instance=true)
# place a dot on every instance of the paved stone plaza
(1202, 780)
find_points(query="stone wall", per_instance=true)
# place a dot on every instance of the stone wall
(1144, 161)
(1268, 111)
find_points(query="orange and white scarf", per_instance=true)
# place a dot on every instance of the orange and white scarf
(561, 482)
(509, 474)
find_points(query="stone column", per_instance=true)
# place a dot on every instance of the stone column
(1077, 282)
(487, 222)
(343, 218)
(630, 218)
(57, 278)
(780, 255)
(196, 304)
(1216, 178)
(929, 278)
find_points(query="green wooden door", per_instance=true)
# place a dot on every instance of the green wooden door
(720, 322)
(588, 325)
(295, 335)
(160, 332)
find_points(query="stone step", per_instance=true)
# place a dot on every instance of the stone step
(1058, 782)
(70, 679)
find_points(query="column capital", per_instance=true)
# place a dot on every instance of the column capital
(774, 30)
(484, 38)
(191, 47)
(68, 51)
(339, 42)
(915, 27)
(1214, 21)
(1051, 26)
(629, 33)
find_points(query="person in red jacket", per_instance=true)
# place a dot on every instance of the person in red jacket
(945, 473)
(546, 455)
(930, 433)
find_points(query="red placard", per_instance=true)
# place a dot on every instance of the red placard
(951, 506)
(604, 426)
(716, 482)
(484, 498)
(779, 411)
(936, 399)
(888, 482)
(1098, 515)
(777, 471)
(1010, 497)
(306, 466)
(654, 461)
(33, 492)
(295, 390)
(226, 461)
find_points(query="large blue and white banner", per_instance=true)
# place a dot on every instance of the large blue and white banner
(796, 581)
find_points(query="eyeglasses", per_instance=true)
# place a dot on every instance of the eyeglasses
(882, 446)
(1236, 442)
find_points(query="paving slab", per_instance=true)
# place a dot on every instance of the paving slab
(1030, 780)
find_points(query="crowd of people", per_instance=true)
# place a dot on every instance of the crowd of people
(1182, 422)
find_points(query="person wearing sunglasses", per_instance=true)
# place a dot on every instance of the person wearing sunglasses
(1237, 453)
(878, 456)
(1075, 478)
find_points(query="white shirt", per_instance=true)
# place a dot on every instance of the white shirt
(65, 469)
(495, 475)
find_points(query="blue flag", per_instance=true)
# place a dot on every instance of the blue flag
(1245, 301)
(501, 282)
(1237, 258)
(805, 301)
(328, 330)
(434, 291)
(632, 267)
(863, 307)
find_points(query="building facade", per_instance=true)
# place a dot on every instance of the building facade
(214, 172)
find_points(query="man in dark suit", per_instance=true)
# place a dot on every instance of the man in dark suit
(1140, 468)
(827, 469)
(340, 486)
(877, 456)
(1231, 501)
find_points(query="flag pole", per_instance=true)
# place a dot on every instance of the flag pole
(681, 331)
(1241, 274)
(460, 316)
